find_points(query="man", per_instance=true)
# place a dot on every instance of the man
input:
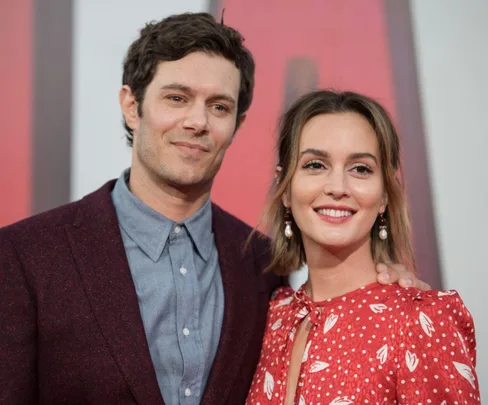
(143, 290)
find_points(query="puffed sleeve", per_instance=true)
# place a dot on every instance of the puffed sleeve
(280, 294)
(436, 356)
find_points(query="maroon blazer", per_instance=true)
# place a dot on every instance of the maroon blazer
(70, 326)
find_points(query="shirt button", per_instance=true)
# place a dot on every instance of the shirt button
(187, 392)
(186, 332)
(182, 270)
(177, 229)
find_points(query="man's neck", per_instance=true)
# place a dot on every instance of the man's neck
(175, 204)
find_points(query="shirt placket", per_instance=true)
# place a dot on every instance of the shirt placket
(187, 314)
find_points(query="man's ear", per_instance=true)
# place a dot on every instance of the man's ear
(128, 105)
(239, 121)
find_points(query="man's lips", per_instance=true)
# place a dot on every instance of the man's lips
(190, 145)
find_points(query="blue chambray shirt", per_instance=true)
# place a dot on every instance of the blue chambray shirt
(177, 278)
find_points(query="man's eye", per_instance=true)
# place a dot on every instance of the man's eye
(221, 107)
(176, 98)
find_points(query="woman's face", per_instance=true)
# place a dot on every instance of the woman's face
(337, 192)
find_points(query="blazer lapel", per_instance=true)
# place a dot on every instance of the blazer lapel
(241, 295)
(101, 260)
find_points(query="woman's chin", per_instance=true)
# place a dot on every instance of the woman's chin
(341, 244)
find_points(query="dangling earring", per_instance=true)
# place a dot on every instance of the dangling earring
(288, 231)
(383, 234)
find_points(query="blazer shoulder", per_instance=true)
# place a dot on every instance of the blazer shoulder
(225, 221)
(53, 219)
(258, 245)
(46, 220)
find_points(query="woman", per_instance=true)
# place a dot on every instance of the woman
(342, 338)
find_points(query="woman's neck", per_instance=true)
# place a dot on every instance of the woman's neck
(334, 274)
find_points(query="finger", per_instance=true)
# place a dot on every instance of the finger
(384, 278)
(405, 278)
(400, 269)
(405, 282)
(395, 273)
(384, 275)
(422, 285)
(381, 267)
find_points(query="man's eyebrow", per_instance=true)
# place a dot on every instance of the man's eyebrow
(177, 86)
(189, 90)
(225, 97)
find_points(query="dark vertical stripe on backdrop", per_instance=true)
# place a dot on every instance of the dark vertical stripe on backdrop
(415, 157)
(213, 7)
(51, 166)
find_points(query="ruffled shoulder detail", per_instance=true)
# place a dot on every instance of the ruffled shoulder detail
(281, 296)
(447, 305)
(434, 312)
(421, 298)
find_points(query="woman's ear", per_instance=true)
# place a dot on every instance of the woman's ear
(284, 197)
(384, 204)
(278, 171)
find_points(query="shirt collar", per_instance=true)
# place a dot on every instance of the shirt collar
(199, 226)
(150, 230)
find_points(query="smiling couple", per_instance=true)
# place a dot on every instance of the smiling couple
(146, 292)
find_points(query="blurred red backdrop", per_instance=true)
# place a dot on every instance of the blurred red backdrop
(15, 109)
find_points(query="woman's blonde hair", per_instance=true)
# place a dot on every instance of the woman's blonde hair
(289, 255)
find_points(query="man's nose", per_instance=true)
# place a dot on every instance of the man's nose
(196, 119)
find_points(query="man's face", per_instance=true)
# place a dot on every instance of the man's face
(188, 121)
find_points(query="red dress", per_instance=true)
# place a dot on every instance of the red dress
(375, 345)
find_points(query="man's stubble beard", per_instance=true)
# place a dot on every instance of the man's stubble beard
(163, 175)
(186, 179)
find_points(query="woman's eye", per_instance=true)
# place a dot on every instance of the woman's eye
(362, 170)
(313, 165)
